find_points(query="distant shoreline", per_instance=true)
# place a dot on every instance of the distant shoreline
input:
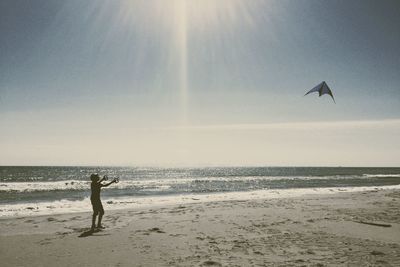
(201, 166)
(123, 203)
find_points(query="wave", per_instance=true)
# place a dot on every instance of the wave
(163, 184)
(381, 175)
(43, 186)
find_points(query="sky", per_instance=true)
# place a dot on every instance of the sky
(199, 82)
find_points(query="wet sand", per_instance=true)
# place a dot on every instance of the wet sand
(341, 229)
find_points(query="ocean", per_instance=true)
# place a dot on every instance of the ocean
(44, 190)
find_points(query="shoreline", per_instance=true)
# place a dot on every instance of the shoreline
(310, 230)
(120, 203)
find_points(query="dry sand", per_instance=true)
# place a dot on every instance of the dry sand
(312, 230)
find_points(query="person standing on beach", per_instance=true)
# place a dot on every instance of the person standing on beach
(95, 187)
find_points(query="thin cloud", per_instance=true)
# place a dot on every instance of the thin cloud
(296, 125)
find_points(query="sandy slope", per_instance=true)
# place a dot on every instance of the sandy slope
(313, 230)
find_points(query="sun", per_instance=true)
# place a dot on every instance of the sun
(198, 14)
(175, 25)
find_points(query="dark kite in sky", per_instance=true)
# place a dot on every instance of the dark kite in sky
(322, 89)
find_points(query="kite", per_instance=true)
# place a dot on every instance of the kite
(322, 89)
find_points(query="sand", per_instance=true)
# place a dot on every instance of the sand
(341, 229)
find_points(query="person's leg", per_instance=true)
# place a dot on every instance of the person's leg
(94, 219)
(101, 213)
(95, 207)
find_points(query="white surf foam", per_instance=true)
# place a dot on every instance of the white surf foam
(66, 206)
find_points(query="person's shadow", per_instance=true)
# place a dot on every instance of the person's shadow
(87, 233)
(90, 232)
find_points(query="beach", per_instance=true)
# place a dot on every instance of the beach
(210, 132)
(360, 228)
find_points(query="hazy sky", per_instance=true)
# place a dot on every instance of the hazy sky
(199, 82)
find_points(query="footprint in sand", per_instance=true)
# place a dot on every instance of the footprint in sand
(62, 234)
(211, 263)
(156, 230)
(151, 230)
(177, 235)
(45, 241)
(376, 253)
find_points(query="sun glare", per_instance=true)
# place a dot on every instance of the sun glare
(200, 13)
(181, 19)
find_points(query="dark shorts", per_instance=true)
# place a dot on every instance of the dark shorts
(97, 206)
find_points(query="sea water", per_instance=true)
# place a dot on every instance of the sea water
(43, 190)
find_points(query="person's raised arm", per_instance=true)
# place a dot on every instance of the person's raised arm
(105, 185)
(103, 179)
